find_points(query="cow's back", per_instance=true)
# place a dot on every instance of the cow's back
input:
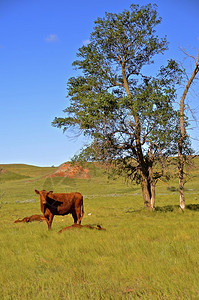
(67, 197)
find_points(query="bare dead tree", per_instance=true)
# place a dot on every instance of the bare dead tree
(181, 155)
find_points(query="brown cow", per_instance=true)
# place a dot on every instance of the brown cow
(31, 218)
(61, 204)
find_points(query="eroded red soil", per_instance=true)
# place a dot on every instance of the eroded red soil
(71, 171)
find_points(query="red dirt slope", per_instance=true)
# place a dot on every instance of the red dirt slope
(71, 171)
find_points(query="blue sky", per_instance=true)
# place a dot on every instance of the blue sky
(39, 40)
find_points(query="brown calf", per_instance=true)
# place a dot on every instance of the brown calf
(31, 218)
(61, 204)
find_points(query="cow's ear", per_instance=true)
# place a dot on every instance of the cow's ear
(50, 192)
(36, 191)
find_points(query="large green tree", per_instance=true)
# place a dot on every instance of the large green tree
(128, 115)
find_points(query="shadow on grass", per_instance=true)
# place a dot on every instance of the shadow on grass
(170, 208)
(193, 207)
(130, 211)
(167, 208)
(164, 209)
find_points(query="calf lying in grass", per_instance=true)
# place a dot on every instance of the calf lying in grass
(32, 218)
(80, 227)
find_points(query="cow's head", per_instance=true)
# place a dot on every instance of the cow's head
(43, 195)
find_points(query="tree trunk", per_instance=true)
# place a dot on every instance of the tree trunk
(181, 173)
(152, 188)
(152, 182)
(148, 191)
(182, 136)
(153, 197)
(182, 198)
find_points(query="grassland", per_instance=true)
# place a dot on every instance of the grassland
(141, 255)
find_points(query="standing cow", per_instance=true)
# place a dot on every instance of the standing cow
(61, 204)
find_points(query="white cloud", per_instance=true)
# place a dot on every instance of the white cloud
(51, 38)
(86, 42)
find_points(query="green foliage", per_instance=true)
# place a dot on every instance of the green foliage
(128, 35)
(97, 95)
(99, 104)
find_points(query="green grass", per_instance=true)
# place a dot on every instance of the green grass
(141, 255)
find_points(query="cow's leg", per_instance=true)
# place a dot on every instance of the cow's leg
(74, 216)
(47, 220)
(78, 213)
(50, 221)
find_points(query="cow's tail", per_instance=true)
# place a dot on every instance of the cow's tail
(82, 212)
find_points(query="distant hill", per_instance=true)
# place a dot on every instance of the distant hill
(67, 169)
(8, 175)
(22, 171)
